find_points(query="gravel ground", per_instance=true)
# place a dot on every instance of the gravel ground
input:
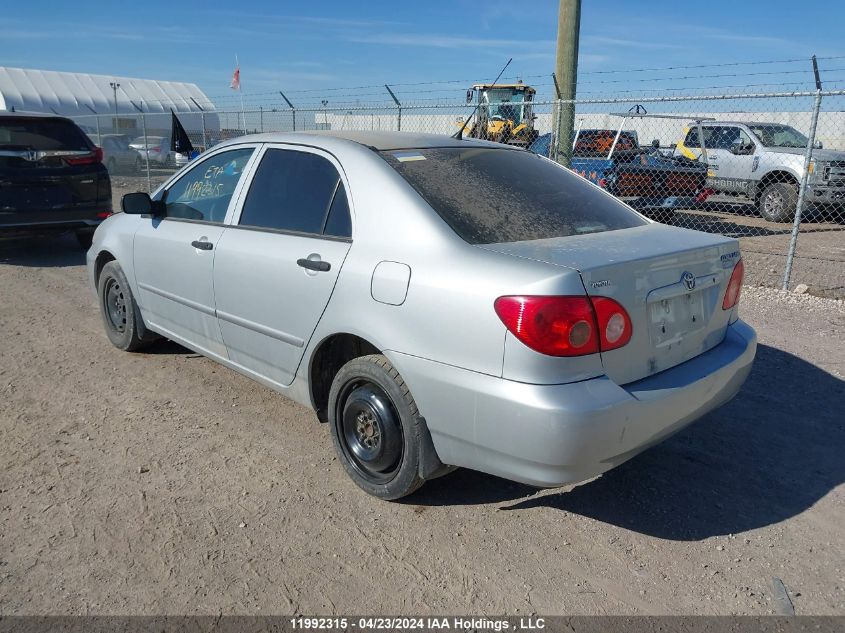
(163, 483)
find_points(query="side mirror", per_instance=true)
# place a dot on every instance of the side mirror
(738, 149)
(470, 94)
(138, 203)
(655, 143)
(818, 145)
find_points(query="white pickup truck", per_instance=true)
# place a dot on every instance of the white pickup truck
(765, 163)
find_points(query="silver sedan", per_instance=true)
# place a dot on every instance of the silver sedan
(439, 303)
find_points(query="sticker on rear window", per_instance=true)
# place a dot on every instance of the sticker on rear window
(405, 157)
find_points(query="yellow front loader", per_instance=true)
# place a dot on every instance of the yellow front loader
(504, 114)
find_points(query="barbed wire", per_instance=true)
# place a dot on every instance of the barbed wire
(376, 90)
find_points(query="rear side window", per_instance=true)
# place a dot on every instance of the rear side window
(296, 191)
(42, 134)
(492, 196)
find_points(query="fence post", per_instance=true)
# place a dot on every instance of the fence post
(147, 153)
(204, 135)
(802, 191)
(261, 115)
(398, 105)
(553, 138)
(99, 139)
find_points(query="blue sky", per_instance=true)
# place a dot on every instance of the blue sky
(305, 49)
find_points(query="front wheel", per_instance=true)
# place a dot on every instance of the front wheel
(121, 316)
(376, 428)
(778, 202)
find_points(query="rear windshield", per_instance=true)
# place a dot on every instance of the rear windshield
(492, 196)
(41, 134)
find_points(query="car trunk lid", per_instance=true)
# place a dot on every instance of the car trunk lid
(671, 281)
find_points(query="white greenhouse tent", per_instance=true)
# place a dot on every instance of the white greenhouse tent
(90, 99)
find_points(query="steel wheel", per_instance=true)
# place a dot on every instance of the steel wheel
(773, 203)
(114, 303)
(371, 433)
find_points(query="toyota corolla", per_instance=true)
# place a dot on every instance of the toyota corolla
(440, 303)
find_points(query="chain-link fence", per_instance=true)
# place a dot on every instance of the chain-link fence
(768, 169)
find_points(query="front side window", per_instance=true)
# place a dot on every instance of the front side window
(492, 196)
(205, 191)
(298, 192)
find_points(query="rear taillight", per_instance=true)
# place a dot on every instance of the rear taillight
(615, 327)
(734, 286)
(157, 150)
(704, 194)
(556, 326)
(102, 215)
(566, 326)
(85, 159)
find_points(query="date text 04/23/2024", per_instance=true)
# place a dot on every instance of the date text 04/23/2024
(459, 623)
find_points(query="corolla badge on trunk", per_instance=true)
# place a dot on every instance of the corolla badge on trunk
(689, 280)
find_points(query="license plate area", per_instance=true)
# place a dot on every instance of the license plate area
(673, 318)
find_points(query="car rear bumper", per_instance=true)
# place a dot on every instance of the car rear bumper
(14, 229)
(549, 435)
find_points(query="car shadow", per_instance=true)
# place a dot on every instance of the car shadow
(766, 456)
(47, 251)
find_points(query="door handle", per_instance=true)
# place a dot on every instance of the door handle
(314, 264)
(203, 246)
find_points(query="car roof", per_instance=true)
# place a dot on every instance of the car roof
(377, 140)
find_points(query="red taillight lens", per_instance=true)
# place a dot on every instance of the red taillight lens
(102, 215)
(85, 159)
(556, 326)
(704, 194)
(734, 286)
(615, 327)
(155, 149)
(566, 326)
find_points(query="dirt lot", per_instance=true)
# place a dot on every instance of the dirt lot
(162, 483)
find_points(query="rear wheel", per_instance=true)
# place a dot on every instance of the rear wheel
(139, 164)
(121, 315)
(778, 201)
(376, 428)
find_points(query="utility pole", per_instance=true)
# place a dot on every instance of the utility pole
(566, 71)
(114, 86)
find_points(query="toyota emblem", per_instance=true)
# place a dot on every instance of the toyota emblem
(689, 280)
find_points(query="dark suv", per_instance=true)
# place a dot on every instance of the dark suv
(52, 178)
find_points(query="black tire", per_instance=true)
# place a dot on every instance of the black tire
(121, 316)
(778, 201)
(139, 164)
(85, 238)
(376, 428)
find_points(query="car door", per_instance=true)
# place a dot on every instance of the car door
(174, 253)
(731, 170)
(742, 157)
(276, 266)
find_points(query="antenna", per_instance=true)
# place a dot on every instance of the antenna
(460, 133)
